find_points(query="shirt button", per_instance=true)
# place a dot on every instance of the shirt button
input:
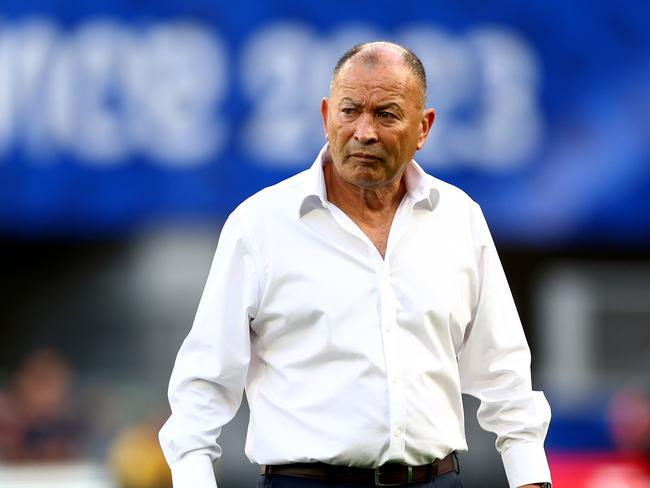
(395, 379)
(397, 432)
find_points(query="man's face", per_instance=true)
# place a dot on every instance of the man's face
(374, 120)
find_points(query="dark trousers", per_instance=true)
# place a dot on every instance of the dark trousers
(447, 480)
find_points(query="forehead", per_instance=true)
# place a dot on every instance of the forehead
(375, 76)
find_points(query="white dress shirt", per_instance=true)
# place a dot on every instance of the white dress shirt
(349, 358)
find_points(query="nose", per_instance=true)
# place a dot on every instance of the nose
(365, 131)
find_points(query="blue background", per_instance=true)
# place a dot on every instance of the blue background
(586, 181)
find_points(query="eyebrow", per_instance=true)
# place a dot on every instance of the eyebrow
(356, 103)
(384, 106)
(390, 105)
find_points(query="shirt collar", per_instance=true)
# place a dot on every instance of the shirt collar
(419, 187)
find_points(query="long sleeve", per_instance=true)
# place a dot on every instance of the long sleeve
(208, 378)
(494, 367)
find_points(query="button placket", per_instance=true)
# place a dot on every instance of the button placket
(388, 317)
(393, 363)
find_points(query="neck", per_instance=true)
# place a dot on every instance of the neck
(370, 205)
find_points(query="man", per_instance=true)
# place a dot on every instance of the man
(355, 302)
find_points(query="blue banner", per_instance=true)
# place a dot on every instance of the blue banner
(113, 117)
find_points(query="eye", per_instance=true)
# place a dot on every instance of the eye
(348, 110)
(385, 115)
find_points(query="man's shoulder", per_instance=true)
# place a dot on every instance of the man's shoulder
(284, 192)
(274, 200)
(450, 196)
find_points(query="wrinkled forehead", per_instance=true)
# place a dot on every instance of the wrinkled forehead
(375, 79)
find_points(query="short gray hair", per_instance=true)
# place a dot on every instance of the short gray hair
(409, 58)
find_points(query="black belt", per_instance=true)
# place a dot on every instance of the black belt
(391, 474)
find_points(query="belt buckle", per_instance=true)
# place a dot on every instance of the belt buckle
(409, 477)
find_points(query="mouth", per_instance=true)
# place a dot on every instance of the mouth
(365, 156)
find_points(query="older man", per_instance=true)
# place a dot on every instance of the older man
(355, 302)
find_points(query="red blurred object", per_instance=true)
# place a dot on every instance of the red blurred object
(599, 470)
(629, 419)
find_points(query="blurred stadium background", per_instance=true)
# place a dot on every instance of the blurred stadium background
(130, 129)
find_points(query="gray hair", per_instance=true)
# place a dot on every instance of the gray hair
(409, 58)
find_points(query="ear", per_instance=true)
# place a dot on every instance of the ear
(428, 116)
(324, 110)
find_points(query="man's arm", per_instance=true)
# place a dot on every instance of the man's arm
(494, 366)
(207, 382)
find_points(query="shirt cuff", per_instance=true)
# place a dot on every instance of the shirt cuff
(525, 463)
(193, 471)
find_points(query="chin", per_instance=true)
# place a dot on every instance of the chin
(364, 178)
